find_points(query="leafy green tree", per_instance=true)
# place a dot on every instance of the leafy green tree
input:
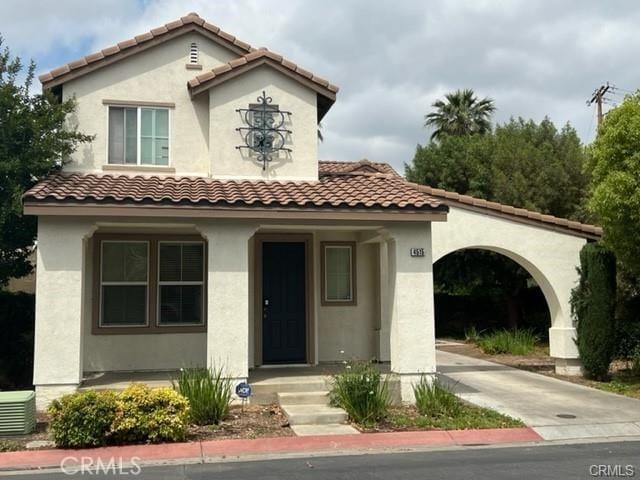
(461, 113)
(34, 140)
(614, 161)
(522, 163)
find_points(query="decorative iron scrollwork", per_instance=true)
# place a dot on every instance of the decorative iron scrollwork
(264, 132)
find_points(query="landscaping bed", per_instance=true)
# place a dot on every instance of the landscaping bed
(539, 359)
(406, 418)
(255, 421)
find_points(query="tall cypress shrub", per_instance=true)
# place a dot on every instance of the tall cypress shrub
(593, 307)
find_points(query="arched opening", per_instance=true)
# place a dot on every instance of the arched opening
(490, 289)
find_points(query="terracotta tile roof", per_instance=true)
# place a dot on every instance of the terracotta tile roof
(452, 198)
(362, 166)
(341, 189)
(191, 21)
(247, 61)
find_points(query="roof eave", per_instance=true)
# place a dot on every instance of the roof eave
(132, 209)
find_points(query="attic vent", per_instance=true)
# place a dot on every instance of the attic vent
(193, 53)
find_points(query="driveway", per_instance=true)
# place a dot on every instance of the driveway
(554, 408)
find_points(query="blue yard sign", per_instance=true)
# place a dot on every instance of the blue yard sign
(243, 390)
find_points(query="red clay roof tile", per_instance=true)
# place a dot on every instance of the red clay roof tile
(333, 189)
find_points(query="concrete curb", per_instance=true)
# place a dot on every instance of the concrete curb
(206, 451)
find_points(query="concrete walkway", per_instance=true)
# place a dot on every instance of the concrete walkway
(554, 408)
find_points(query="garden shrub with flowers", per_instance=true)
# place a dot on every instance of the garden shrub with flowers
(362, 391)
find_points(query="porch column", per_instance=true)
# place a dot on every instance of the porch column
(60, 292)
(228, 297)
(412, 331)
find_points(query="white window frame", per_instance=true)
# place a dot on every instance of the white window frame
(180, 283)
(352, 266)
(130, 284)
(139, 135)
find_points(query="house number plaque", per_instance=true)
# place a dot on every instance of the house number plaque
(416, 252)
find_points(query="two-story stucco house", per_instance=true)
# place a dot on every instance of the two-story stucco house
(199, 226)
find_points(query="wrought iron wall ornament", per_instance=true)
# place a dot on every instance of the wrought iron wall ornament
(264, 132)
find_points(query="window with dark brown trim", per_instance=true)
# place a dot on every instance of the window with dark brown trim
(149, 284)
(338, 265)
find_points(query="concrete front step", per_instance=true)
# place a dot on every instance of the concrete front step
(310, 414)
(320, 397)
(266, 391)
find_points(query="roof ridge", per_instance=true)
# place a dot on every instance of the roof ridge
(192, 19)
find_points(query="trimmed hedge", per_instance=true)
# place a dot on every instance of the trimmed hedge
(138, 414)
(593, 304)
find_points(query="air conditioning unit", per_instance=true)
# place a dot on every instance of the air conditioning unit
(17, 412)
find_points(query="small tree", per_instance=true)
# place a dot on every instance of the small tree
(34, 141)
(593, 307)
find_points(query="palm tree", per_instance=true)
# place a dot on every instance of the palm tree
(461, 114)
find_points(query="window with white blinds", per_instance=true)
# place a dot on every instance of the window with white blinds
(138, 136)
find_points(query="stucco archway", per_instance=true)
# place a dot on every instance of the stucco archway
(549, 254)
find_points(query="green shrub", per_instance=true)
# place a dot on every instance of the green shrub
(593, 307)
(362, 392)
(208, 391)
(472, 334)
(82, 419)
(513, 342)
(150, 415)
(434, 398)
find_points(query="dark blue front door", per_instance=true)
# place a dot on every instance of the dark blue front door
(283, 302)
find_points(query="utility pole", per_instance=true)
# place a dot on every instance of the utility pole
(598, 97)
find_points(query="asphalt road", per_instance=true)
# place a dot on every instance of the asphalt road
(608, 460)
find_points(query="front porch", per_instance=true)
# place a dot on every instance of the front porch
(266, 382)
(372, 311)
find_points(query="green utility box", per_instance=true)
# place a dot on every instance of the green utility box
(17, 412)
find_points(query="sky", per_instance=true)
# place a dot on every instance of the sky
(391, 60)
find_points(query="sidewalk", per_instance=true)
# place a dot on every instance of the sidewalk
(215, 450)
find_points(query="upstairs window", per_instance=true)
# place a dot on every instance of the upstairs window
(138, 136)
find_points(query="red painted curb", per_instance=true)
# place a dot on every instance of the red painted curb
(34, 459)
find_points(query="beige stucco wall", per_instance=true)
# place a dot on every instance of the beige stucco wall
(551, 257)
(202, 130)
(155, 75)
(240, 92)
(352, 328)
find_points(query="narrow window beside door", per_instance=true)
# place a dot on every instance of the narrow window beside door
(338, 267)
